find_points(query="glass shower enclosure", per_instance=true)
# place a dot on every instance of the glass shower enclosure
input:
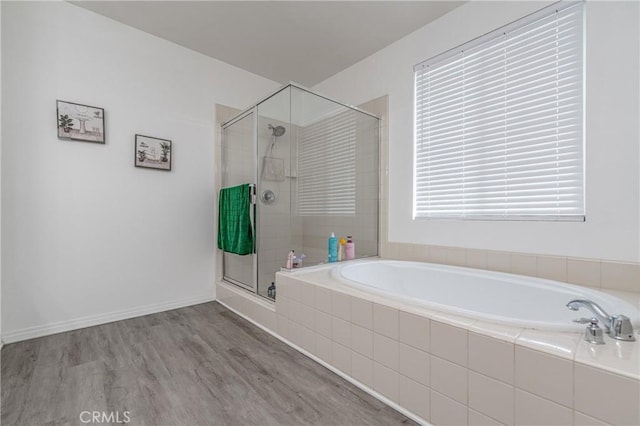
(313, 166)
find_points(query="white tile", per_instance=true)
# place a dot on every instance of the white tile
(479, 419)
(456, 256)
(523, 264)
(341, 358)
(340, 305)
(295, 311)
(341, 331)
(414, 397)
(385, 320)
(307, 317)
(500, 332)
(552, 268)
(584, 272)
(295, 290)
(606, 396)
(414, 363)
(414, 330)
(386, 351)
(620, 276)
(323, 324)
(323, 348)
(362, 312)
(438, 254)
(615, 357)
(449, 379)
(491, 397)
(307, 294)
(323, 299)
(421, 252)
(295, 333)
(362, 340)
(477, 259)
(548, 376)
(563, 345)
(491, 357)
(362, 369)
(386, 381)
(447, 412)
(498, 261)
(580, 419)
(531, 410)
(282, 306)
(449, 342)
(307, 339)
(282, 326)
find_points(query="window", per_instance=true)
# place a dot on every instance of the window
(499, 123)
(327, 166)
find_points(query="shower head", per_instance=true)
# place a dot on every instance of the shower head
(277, 131)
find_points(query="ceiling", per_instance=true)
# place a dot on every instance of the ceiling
(301, 41)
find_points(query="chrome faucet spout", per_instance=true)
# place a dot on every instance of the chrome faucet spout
(595, 309)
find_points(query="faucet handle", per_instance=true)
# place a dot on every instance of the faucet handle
(621, 328)
(584, 320)
(593, 334)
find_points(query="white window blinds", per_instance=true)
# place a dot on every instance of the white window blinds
(499, 123)
(327, 166)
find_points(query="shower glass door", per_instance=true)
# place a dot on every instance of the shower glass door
(315, 166)
(239, 167)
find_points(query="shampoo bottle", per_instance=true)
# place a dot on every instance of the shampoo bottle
(290, 257)
(332, 246)
(350, 249)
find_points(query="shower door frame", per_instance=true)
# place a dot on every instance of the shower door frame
(253, 286)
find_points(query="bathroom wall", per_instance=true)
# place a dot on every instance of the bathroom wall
(86, 237)
(612, 228)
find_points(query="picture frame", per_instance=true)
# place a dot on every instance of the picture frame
(78, 122)
(153, 153)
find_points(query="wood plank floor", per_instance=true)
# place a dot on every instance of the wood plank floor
(200, 365)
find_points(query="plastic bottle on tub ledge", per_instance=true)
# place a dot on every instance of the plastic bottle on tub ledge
(290, 257)
(341, 244)
(332, 248)
(349, 249)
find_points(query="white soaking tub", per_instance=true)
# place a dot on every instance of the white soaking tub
(483, 295)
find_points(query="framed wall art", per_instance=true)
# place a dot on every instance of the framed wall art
(153, 153)
(78, 122)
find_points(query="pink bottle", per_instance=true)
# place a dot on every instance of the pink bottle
(349, 249)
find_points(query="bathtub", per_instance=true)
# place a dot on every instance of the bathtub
(451, 345)
(496, 297)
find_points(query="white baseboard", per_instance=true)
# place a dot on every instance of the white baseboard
(89, 321)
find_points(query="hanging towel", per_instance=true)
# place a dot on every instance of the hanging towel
(235, 232)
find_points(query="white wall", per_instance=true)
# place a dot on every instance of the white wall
(86, 237)
(612, 229)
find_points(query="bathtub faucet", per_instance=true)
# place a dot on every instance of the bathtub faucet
(618, 326)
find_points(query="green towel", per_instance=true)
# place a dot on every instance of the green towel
(235, 232)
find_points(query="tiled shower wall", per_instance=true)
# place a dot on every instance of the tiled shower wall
(364, 224)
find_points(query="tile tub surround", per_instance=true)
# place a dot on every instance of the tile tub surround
(447, 369)
(595, 273)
